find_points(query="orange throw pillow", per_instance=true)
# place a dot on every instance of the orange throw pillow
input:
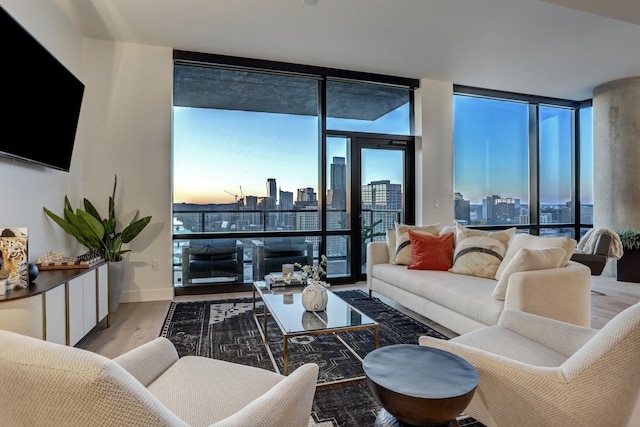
(429, 252)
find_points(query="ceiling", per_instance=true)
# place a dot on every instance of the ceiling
(555, 48)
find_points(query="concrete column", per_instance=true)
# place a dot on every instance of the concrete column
(616, 154)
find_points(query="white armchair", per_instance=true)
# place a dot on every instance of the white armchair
(50, 384)
(535, 371)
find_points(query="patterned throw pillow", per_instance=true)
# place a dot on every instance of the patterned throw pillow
(478, 252)
(403, 243)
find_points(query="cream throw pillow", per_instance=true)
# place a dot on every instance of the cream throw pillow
(478, 252)
(537, 242)
(528, 260)
(402, 255)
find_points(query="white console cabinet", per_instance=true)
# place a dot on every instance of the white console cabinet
(60, 306)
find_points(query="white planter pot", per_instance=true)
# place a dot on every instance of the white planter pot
(116, 277)
(314, 297)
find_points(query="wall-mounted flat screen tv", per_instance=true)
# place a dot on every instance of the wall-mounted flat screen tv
(41, 100)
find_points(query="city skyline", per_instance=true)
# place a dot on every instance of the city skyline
(258, 146)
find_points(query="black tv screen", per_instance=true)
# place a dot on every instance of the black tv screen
(41, 100)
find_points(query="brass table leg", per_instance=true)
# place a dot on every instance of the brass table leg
(286, 356)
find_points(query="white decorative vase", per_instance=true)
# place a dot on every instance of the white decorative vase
(314, 297)
(116, 277)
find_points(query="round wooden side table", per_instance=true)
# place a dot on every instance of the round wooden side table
(418, 385)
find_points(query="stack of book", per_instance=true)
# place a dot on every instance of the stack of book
(276, 280)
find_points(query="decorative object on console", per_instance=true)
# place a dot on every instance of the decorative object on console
(4, 274)
(627, 265)
(99, 234)
(57, 261)
(13, 245)
(33, 272)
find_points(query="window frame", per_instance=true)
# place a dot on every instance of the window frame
(534, 102)
(322, 74)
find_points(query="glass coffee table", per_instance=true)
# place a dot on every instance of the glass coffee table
(284, 305)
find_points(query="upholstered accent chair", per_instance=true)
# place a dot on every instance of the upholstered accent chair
(220, 259)
(535, 371)
(269, 254)
(54, 385)
(595, 258)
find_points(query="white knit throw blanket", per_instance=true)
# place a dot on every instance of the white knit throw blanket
(588, 242)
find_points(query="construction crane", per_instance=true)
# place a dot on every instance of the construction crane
(234, 195)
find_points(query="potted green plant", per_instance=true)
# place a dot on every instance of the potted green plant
(101, 235)
(368, 233)
(627, 266)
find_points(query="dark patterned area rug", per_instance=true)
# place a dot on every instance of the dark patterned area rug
(227, 330)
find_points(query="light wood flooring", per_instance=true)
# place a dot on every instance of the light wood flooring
(137, 323)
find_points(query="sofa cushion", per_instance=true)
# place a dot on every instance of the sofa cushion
(479, 253)
(528, 260)
(529, 241)
(431, 252)
(468, 295)
(402, 254)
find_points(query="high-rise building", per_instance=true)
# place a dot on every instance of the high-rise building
(338, 184)
(306, 197)
(286, 200)
(272, 189)
(462, 209)
(382, 195)
(501, 210)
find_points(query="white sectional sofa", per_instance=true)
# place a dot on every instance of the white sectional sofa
(463, 303)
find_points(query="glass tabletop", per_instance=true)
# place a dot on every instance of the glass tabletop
(285, 305)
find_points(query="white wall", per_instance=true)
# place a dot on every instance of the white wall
(128, 103)
(27, 188)
(434, 152)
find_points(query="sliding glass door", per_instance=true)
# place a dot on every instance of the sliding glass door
(369, 188)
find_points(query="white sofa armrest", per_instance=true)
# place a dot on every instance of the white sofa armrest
(559, 293)
(148, 361)
(377, 253)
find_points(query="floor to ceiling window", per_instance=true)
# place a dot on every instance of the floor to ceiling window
(258, 180)
(516, 163)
